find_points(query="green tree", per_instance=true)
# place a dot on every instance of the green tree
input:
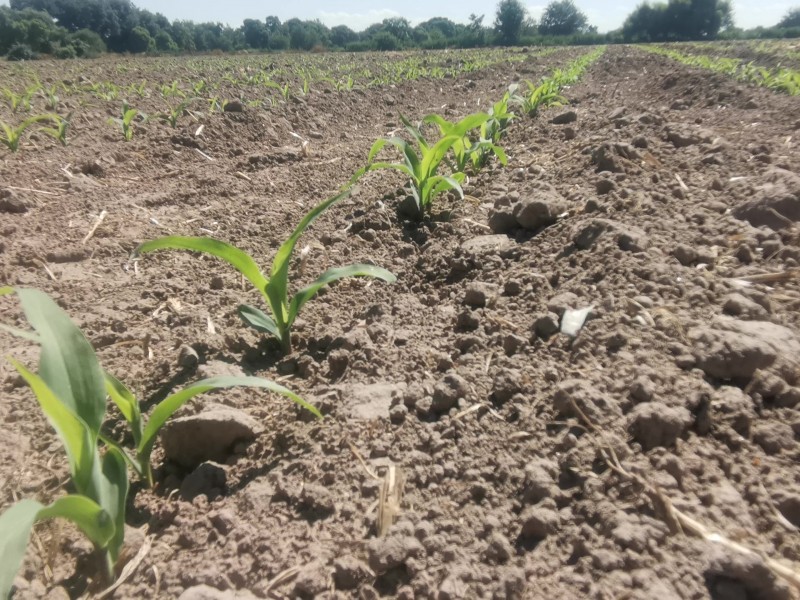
(678, 20)
(508, 21)
(139, 40)
(562, 17)
(164, 42)
(791, 19)
(341, 35)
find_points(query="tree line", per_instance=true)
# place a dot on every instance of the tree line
(84, 28)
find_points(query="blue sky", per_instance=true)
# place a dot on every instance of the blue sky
(358, 14)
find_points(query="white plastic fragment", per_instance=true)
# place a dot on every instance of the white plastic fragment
(573, 320)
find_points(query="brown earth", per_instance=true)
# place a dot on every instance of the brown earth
(675, 203)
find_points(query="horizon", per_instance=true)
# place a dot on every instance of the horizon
(606, 16)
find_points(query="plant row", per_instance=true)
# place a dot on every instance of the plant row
(778, 78)
(75, 392)
(179, 98)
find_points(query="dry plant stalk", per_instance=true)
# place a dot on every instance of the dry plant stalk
(391, 496)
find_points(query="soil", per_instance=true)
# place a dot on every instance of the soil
(670, 210)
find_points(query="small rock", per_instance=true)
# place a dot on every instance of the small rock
(219, 428)
(317, 499)
(12, 203)
(789, 506)
(386, 553)
(499, 549)
(349, 572)
(187, 357)
(744, 254)
(751, 104)
(604, 186)
(448, 391)
(389, 100)
(507, 382)
(749, 570)
(569, 116)
(311, 581)
(655, 424)
(735, 349)
(642, 389)
(686, 255)
(452, 588)
(480, 294)
(546, 325)
(502, 220)
(738, 305)
(774, 437)
(234, 106)
(569, 133)
(534, 214)
(208, 478)
(539, 522)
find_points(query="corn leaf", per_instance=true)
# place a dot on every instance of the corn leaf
(238, 259)
(277, 290)
(127, 404)
(17, 523)
(72, 431)
(111, 482)
(67, 363)
(15, 531)
(258, 320)
(331, 275)
(167, 407)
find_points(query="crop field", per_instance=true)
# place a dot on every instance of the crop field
(454, 324)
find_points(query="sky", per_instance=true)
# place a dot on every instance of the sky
(358, 14)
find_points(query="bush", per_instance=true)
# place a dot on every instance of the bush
(357, 47)
(65, 52)
(87, 43)
(383, 40)
(21, 52)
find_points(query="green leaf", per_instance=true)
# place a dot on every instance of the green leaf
(6, 290)
(278, 289)
(67, 363)
(238, 259)
(15, 531)
(167, 407)
(72, 431)
(386, 165)
(89, 516)
(431, 159)
(258, 320)
(127, 404)
(17, 522)
(112, 485)
(331, 275)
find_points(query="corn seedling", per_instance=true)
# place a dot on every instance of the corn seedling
(70, 389)
(540, 96)
(59, 132)
(176, 112)
(21, 101)
(420, 165)
(467, 150)
(125, 121)
(10, 136)
(499, 118)
(50, 96)
(275, 287)
(172, 90)
(140, 89)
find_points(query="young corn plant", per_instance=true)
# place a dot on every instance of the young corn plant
(59, 132)
(11, 136)
(125, 121)
(176, 112)
(540, 96)
(275, 287)
(420, 165)
(467, 149)
(70, 390)
(21, 101)
(50, 95)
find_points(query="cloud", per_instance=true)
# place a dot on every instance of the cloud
(357, 21)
